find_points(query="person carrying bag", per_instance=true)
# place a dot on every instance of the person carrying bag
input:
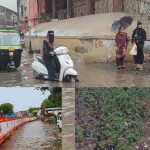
(138, 37)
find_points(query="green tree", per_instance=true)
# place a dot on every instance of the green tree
(54, 99)
(33, 111)
(6, 108)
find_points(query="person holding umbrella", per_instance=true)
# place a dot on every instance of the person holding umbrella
(139, 36)
(121, 43)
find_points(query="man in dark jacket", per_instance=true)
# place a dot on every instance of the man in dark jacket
(139, 36)
(49, 57)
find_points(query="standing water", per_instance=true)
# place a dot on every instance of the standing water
(34, 136)
(92, 74)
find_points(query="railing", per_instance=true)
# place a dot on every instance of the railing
(9, 124)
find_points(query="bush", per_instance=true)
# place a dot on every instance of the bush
(110, 116)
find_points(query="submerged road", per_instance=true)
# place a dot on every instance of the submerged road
(93, 75)
(33, 136)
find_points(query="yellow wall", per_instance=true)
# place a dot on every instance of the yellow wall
(89, 49)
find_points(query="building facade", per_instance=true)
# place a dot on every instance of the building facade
(22, 14)
(45, 10)
(7, 17)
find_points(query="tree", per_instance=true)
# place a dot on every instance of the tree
(33, 111)
(6, 108)
(54, 99)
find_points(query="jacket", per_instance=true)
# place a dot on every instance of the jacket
(139, 36)
(47, 49)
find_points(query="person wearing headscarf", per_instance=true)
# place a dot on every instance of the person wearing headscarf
(121, 42)
(139, 36)
(49, 56)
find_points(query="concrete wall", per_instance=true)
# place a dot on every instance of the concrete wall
(89, 49)
(87, 37)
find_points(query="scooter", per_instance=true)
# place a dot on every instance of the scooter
(67, 72)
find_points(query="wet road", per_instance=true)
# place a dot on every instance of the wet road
(33, 136)
(93, 75)
(68, 132)
(107, 75)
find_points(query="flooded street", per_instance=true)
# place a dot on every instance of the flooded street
(33, 136)
(93, 75)
(68, 132)
(24, 77)
(107, 75)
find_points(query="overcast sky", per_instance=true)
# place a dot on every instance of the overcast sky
(22, 98)
(11, 4)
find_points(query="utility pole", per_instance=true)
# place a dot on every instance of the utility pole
(5, 17)
(13, 21)
(30, 44)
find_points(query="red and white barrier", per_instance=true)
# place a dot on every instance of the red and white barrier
(9, 124)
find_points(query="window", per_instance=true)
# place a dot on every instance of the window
(9, 39)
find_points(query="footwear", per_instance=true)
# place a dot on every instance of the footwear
(53, 80)
(123, 66)
(119, 67)
(55, 77)
(141, 68)
(136, 67)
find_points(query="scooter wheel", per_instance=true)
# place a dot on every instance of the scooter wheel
(70, 78)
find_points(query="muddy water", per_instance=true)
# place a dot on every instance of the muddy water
(107, 75)
(93, 75)
(33, 136)
(24, 77)
(68, 132)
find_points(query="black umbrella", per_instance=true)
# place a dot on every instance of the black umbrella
(124, 21)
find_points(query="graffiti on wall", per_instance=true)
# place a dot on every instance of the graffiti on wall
(98, 44)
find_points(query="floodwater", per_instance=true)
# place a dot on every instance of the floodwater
(68, 106)
(33, 136)
(93, 75)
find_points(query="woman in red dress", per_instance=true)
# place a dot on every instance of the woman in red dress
(121, 41)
